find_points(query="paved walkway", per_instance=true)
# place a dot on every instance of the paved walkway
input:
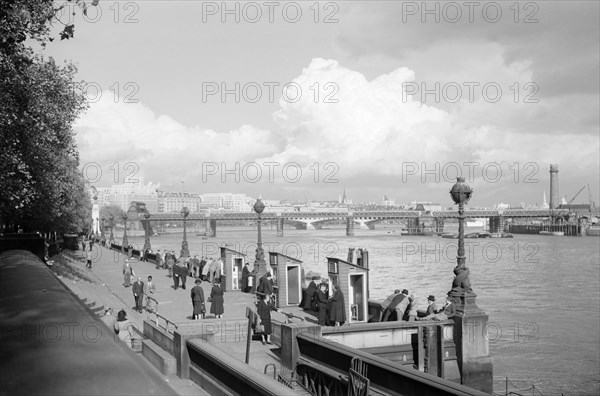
(176, 305)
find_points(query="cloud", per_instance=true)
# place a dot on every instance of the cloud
(368, 131)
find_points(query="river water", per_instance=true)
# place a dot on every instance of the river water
(542, 293)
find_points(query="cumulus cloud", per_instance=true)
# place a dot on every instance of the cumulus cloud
(370, 130)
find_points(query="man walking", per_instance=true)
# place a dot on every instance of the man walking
(149, 289)
(138, 293)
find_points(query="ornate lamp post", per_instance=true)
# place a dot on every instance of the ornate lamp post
(125, 241)
(102, 228)
(111, 238)
(260, 265)
(472, 346)
(184, 245)
(461, 285)
(147, 232)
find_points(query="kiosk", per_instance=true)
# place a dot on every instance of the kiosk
(287, 275)
(233, 263)
(353, 280)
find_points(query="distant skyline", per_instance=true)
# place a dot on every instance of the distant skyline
(378, 97)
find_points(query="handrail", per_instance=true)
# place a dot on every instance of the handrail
(167, 321)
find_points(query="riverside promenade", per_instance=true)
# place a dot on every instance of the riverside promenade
(229, 333)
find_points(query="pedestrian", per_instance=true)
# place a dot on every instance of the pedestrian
(309, 295)
(128, 273)
(88, 257)
(149, 290)
(175, 272)
(338, 307)
(124, 328)
(171, 264)
(138, 293)
(197, 295)
(263, 309)
(245, 275)
(216, 298)
(322, 303)
(183, 273)
(158, 259)
(413, 306)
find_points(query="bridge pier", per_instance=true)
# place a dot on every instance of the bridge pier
(350, 225)
(279, 227)
(496, 224)
(211, 227)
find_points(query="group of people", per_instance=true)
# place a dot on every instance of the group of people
(216, 300)
(204, 268)
(402, 306)
(331, 308)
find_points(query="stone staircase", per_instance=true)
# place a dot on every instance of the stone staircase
(70, 269)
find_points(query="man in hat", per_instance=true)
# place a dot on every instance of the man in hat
(245, 275)
(389, 312)
(149, 289)
(431, 306)
(198, 300)
(138, 293)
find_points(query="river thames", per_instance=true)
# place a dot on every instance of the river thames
(542, 293)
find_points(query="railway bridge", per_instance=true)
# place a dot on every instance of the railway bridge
(415, 219)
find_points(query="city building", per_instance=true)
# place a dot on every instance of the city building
(171, 202)
(227, 201)
(123, 194)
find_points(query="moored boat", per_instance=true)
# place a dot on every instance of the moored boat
(552, 233)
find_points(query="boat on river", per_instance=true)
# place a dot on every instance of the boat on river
(450, 236)
(501, 235)
(552, 233)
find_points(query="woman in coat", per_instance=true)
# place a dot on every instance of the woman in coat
(338, 307)
(198, 300)
(322, 303)
(216, 298)
(127, 273)
(264, 308)
(124, 328)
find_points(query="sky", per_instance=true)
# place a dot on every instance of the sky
(301, 100)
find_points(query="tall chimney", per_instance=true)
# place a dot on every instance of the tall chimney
(554, 200)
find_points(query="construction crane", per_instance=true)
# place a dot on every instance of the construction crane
(579, 192)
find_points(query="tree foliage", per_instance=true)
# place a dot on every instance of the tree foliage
(112, 210)
(41, 186)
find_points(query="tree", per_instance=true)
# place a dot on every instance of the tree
(42, 188)
(112, 210)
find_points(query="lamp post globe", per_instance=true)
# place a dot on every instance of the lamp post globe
(461, 192)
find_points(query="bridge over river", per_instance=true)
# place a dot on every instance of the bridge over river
(365, 219)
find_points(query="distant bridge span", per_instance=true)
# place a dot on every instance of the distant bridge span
(366, 219)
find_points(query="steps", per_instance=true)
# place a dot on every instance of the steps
(159, 358)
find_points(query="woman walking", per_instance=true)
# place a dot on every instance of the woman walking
(128, 273)
(216, 298)
(124, 328)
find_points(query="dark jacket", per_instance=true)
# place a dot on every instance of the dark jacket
(338, 307)
(197, 294)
